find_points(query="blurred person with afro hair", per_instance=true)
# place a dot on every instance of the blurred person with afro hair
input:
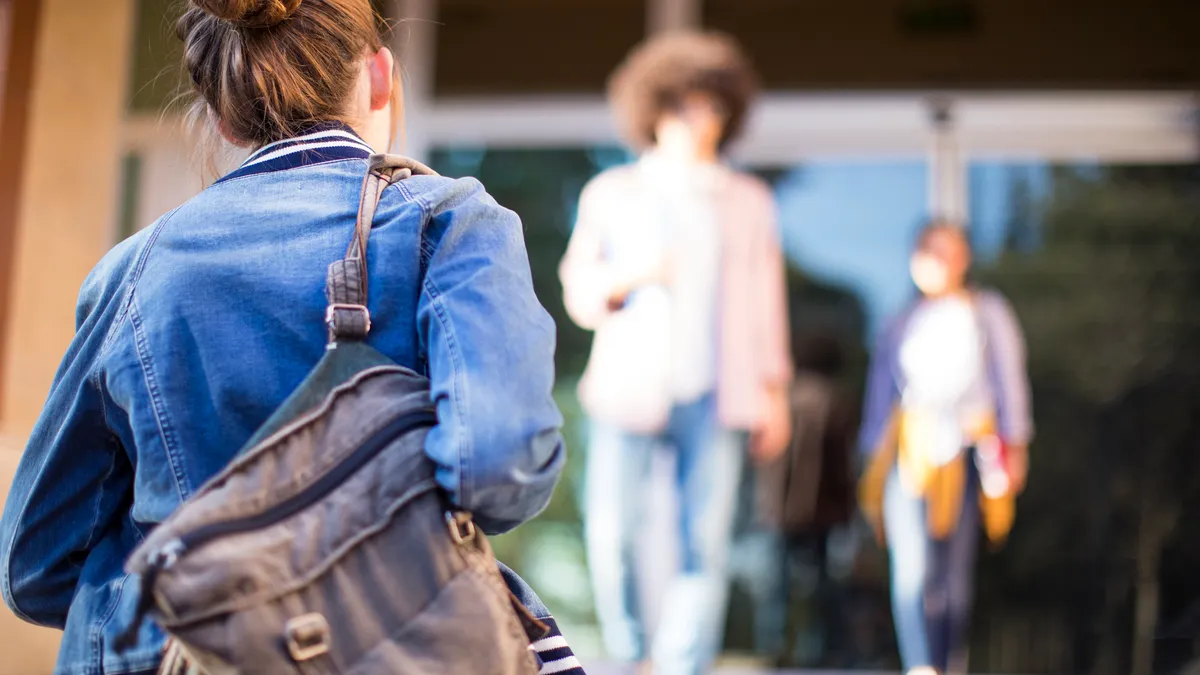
(676, 265)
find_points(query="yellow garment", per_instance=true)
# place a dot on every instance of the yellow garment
(941, 486)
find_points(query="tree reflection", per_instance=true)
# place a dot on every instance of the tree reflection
(1105, 275)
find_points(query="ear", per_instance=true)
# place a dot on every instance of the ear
(381, 65)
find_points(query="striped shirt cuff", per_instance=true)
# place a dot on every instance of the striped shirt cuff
(554, 654)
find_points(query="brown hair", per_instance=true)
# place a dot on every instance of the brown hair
(267, 69)
(937, 226)
(659, 74)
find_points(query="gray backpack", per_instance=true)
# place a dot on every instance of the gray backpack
(326, 547)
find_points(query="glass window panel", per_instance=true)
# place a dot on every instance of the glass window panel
(847, 265)
(852, 224)
(1102, 265)
(847, 228)
(543, 186)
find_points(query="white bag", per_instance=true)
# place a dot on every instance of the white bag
(627, 380)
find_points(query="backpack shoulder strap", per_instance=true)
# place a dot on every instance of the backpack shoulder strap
(347, 316)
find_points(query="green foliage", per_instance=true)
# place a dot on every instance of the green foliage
(1105, 277)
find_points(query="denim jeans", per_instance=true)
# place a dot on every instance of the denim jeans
(932, 581)
(708, 470)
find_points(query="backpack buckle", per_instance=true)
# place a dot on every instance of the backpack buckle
(462, 528)
(342, 329)
(307, 637)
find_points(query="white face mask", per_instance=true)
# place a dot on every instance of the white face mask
(929, 274)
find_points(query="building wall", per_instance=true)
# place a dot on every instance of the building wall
(63, 225)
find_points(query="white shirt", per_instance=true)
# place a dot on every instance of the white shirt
(944, 371)
(680, 198)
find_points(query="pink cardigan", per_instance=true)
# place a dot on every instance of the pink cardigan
(753, 342)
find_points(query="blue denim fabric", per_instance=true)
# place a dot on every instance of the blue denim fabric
(932, 581)
(524, 593)
(190, 333)
(709, 465)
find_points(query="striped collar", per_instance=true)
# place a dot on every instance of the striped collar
(326, 142)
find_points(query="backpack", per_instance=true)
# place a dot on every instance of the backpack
(326, 546)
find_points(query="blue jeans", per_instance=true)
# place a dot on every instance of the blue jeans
(708, 470)
(932, 581)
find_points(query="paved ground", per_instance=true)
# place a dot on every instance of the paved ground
(600, 669)
(730, 667)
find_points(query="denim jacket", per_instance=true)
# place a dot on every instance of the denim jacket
(190, 333)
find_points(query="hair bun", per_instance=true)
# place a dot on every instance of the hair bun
(250, 13)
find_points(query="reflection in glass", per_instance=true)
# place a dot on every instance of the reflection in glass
(543, 186)
(852, 224)
(1102, 264)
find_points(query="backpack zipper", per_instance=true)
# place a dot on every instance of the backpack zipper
(170, 552)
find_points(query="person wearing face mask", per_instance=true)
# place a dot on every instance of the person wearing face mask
(946, 426)
(675, 263)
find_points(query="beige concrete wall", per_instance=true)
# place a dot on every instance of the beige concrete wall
(66, 222)
(69, 196)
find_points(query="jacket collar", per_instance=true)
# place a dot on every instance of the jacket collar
(324, 142)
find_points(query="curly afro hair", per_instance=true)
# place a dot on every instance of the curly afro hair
(658, 74)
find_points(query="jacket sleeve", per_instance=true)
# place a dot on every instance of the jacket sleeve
(587, 279)
(1009, 370)
(71, 483)
(490, 348)
(771, 289)
(882, 392)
